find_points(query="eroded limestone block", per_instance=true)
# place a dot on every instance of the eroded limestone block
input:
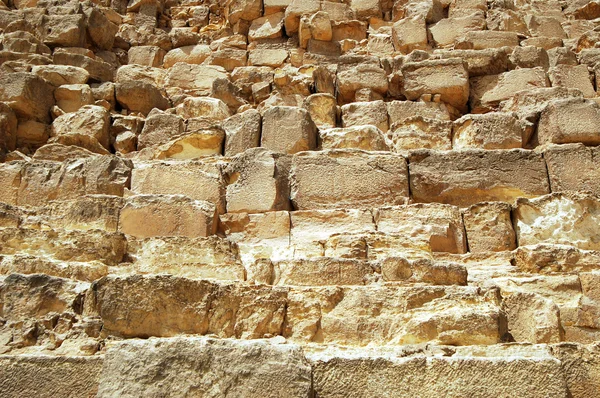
(208, 367)
(367, 138)
(365, 113)
(489, 227)
(358, 179)
(559, 218)
(570, 121)
(146, 216)
(288, 129)
(467, 177)
(573, 167)
(494, 130)
(257, 181)
(419, 132)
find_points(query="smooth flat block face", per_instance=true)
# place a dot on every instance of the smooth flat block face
(468, 177)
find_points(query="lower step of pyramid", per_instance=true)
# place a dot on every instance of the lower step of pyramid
(208, 367)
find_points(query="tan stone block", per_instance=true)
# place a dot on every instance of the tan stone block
(242, 132)
(494, 130)
(544, 258)
(448, 78)
(491, 61)
(559, 218)
(367, 138)
(471, 176)
(488, 91)
(295, 10)
(433, 227)
(352, 78)
(140, 97)
(192, 54)
(419, 132)
(484, 39)
(160, 128)
(193, 79)
(29, 96)
(288, 130)
(401, 110)
(446, 31)
(146, 55)
(209, 108)
(200, 143)
(88, 127)
(570, 76)
(198, 180)
(267, 27)
(409, 34)
(58, 75)
(71, 97)
(570, 121)
(147, 216)
(322, 271)
(489, 227)
(322, 109)
(267, 57)
(257, 181)
(356, 179)
(365, 113)
(573, 167)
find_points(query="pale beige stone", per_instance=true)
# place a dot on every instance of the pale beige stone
(363, 113)
(288, 130)
(367, 138)
(573, 167)
(242, 132)
(357, 179)
(494, 130)
(489, 227)
(409, 34)
(88, 127)
(193, 54)
(147, 216)
(209, 108)
(445, 32)
(200, 143)
(267, 27)
(418, 132)
(322, 108)
(572, 77)
(71, 97)
(570, 121)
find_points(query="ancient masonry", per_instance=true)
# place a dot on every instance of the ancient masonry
(300, 198)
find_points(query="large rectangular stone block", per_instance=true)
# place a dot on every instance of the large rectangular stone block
(468, 177)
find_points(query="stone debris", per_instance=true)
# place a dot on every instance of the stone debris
(300, 198)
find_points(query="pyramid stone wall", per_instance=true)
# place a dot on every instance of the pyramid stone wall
(299, 198)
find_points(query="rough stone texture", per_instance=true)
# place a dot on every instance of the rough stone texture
(357, 179)
(489, 227)
(570, 121)
(288, 130)
(467, 177)
(207, 367)
(572, 167)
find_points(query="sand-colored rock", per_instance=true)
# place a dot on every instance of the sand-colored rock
(357, 179)
(489, 227)
(572, 167)
(288, 130)
(570, 121)
(367, 138)
(493, 130)
(467, 177)
(417, 132)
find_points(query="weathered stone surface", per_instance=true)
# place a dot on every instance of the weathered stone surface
(467, 177)
(546, 258)
(535, 372)
(409, 34)
(432, 227)
(489, 227)
(29, 96)
(367, 138)
(570, 76)
(57, 75)
(357, 179)
(88, 127)
(288, 130)
(418, 132)
(207, 367)
(572, 167)
(322, 108)
(257, 181)
(242, 132)
(160, 128)
(193, 79)
(267, 27)
(559, 218)
(146, 216)
(488, 91)
(140, 97)
(494, 130)
(363, 113)
(198, 180)
(568, 121)
(352, 78)
(448, 78)
(48, 376)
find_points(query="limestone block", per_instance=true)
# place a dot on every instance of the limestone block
(530, 57)
(488, 91)
(66, 375)
(409, 34)
(490, 61)
(198, 180)
(570, 121)
(489, 227)
(570, 76)
(582, 364)
(200, 143)
(267, 27)
(322, 108)
(267, 57)
(365, 9)
(209, 108)
(544, 258)
(64, 30)
(367, 138)
(192, 54)
(8, 126)
(160, 128)
(398, 111)
(322, 271)
(98, 69)
(193, 79)
(257, 181)
(29, 96)
(432, 227)
(559, 218)
(288, 130)
(140, 97)
(295, 10)
(146, 74)
(247, 10)
(353, 78)
(448, 78)
(364, 113)
(147, 216)
(481, 40)
(446, 31)
(88, 127)
(71, 97)
(573, 167)
(471, 176)
(206, 366)
(185, 306)
(536, 372)
(242, 132)
(418, 132)
(494, 130)
(101, 30)
(532, 318)
(357, 179)
(57, 75)
(92, 245)
(199, 258)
